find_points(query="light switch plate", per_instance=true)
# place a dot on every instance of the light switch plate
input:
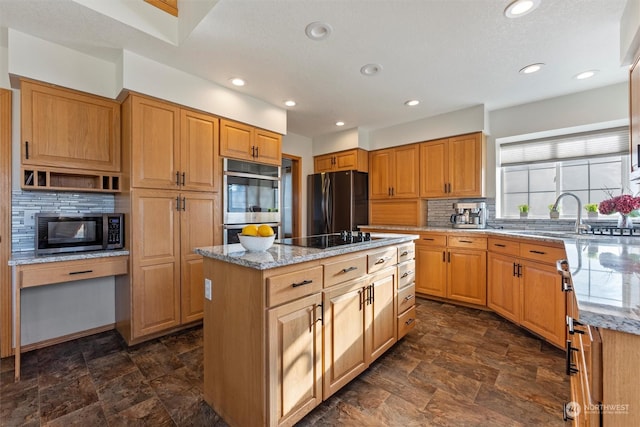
(207, 289)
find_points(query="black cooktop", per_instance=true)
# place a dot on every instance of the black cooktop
(324, 241)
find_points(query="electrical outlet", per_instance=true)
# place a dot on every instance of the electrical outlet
(207, 289)
(30, 217)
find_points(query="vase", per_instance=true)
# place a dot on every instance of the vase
(625, 221)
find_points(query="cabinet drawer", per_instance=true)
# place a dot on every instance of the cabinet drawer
(381, 259)
(406, 252)
(67, 271)
(341, 271)
(502, 246)
(468, 242)
(290, 286)
(406, 322)
(432, 240)
(406, 298)
(540, 253)
(406, 273)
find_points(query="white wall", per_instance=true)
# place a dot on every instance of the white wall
(337, 141)
(301, 146)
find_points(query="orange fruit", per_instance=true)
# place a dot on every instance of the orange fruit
(265, 231)
(250, 230)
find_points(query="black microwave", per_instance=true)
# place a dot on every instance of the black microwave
(60, 233)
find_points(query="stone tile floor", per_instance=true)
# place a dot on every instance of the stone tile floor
(458, 367)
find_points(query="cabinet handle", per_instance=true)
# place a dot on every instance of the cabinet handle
(500, 245)
(570, 367)
(405, 253)
(321, 318)
(361, 297)
(538, 252)
(570, 325)
(449, 184)
(515, 270)
(304, 282)
(410, 321)
(406, 273)
(348, 269)
(519, 270)
(445, 187)
(408, 297)
(382, 260)
(184, 203)
(389, 191)
(257, 152)
(80, 272)
(183, 178)
(465, 241)
(393, 191)
(449, 257)
(444, 259)
(428, 238)
(178, 203)
(26, 149)
(178, 178)
(372, 294)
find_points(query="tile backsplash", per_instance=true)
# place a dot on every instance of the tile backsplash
(23, 236)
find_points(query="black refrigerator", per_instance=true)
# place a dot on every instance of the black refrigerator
(337, 201)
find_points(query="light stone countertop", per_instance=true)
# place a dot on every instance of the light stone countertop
(29, 257)
(280, 255)
(605, 272)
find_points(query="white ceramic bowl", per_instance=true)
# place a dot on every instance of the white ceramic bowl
(256, 243)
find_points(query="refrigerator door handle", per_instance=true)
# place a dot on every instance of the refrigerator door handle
(325, 201)
(329, 224)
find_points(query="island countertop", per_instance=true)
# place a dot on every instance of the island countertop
(280, 255)
(605, 271)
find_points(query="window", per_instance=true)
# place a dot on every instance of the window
(590, 165)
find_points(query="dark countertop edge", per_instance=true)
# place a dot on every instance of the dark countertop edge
(312, 255)
(29, 257)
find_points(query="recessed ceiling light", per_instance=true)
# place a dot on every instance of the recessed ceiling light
(318, 30)
(290, 103)
(339, 123)
(370, 69)
(520, 8)
(585, 75)
(412, 103)
(532, 68)
(237, 81)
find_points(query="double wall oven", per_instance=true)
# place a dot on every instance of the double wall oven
(251, 196)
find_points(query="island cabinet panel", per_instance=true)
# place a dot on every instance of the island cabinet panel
(345, 348)
(289, 286)
(295, 359)
(382, 324)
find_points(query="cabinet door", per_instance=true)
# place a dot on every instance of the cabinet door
(323, 163)
(467, 276)
(381, 164)
(236, 140)
(347, 160)
(543, 302)
(268, 147)
(465, 165)
(345, 351)
(155, 240)
(431, 270)
(434, 174)
(196, 230)
(199, 167)
(382, 321)
(406, 171)
(503, 286)
(295, 359)
(155, 145)
(69, 129)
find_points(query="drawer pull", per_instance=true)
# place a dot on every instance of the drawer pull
(80, 272)
(466, 241)
(408, 297)
(538, 252)
(500, 245)
(382, 260)
(405, 253)
(428, 238)
(304, 282)
(406, 273)
(571, 323)
(348, 269)
(410, 321)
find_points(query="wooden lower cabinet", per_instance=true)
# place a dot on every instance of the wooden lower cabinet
(164, 288)
(467, 276)
(503, 286)
(431, 270)
(295, 359)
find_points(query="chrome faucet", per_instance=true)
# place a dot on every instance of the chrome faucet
(579, 225)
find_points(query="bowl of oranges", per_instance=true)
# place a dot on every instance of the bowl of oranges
(257, 238)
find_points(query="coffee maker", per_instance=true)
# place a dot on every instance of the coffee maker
(469, 215)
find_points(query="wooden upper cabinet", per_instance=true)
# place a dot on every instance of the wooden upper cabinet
(65, 128)
(355, 159)
(171, 148)
(169, 6)
(244, 142)
(394, 172)
(453, 167)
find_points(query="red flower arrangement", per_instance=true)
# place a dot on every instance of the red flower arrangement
(624, 204)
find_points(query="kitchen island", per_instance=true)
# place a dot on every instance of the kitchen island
(286, 328)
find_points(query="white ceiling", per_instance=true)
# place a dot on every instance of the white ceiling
(449, 54)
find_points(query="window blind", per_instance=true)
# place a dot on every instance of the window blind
(566, 147)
